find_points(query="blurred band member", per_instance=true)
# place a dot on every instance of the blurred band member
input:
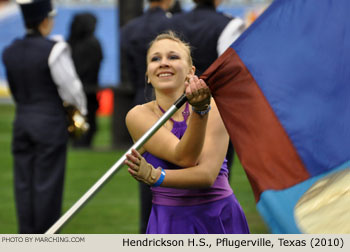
(41, 75)
(87, 56)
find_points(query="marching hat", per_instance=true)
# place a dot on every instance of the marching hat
(34, 11)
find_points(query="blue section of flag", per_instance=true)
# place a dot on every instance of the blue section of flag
(277, 207)
(298, 52)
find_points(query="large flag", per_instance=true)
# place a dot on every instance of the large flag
(283, 91)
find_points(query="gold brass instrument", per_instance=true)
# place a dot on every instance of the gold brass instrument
(77, 124)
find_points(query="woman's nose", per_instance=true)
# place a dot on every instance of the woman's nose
(164, 62)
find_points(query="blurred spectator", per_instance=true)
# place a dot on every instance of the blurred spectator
(87, 56)
(208, 31)
(135, 38)
(176, 8)
(41, 75)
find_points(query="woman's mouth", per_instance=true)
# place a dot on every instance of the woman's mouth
(162, 75)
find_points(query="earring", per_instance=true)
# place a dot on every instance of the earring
(148, 81)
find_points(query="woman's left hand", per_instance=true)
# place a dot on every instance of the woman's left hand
(197, 93)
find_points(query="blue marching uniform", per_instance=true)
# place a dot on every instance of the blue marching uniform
(40, 133)
(201, 28)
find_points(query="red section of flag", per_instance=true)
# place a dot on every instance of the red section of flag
(262, 145)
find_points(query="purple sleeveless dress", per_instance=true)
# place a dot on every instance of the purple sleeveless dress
(194, 211)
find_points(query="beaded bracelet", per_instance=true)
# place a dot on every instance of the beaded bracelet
(202, 112)
(161, 178)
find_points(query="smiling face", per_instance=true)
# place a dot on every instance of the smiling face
(168, 65)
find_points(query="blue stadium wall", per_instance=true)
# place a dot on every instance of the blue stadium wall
(107, 31)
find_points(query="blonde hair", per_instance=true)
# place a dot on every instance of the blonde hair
(172, 36)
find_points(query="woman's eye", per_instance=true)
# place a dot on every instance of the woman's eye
(172, 57)
(155, 58)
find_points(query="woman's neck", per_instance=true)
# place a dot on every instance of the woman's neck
(167, 100)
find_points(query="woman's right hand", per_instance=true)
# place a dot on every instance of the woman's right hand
(197, 93)
(140, 169)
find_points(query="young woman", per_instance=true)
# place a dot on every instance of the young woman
(184, 161)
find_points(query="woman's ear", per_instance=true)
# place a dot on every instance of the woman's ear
(193, 70)
(190, 73)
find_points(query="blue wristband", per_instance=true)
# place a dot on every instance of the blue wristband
(161, 178)
(202, 112)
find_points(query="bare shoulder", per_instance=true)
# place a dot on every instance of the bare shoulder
(139, 119)
(139, 112)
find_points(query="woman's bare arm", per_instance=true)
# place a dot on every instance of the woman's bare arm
(212, 156)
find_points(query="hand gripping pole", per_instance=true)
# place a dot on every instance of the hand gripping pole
(79, 204)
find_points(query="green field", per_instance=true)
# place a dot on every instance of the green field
(115, 208)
